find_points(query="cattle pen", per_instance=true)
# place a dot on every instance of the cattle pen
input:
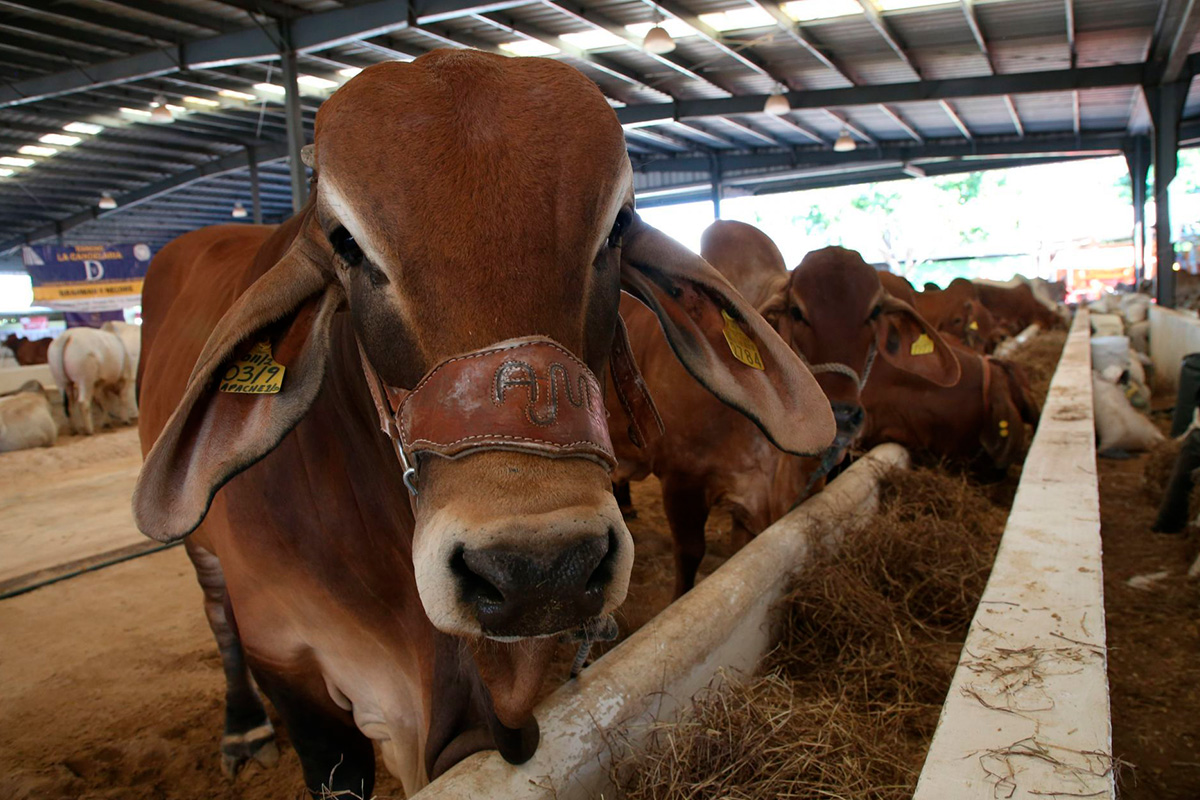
(1047, 733)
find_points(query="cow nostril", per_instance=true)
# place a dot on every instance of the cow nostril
(848, 417)
(602, 575)
(476, 589)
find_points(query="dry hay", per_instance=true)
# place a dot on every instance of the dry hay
(1039, 356)
(847, 703)
(1159, 464)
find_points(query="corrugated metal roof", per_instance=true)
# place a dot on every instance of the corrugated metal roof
(1023, 36)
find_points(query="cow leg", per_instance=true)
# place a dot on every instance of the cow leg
(248, 732)
(624, 500)
(687, 512)
(337, 759)
(1173, 512)
(83, 405)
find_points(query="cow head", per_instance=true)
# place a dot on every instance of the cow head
(958, 311)
(833, 310)
(461, 201)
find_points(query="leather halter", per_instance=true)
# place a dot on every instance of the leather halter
(527, 395)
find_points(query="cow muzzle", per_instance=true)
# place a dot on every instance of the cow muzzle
(506, 452)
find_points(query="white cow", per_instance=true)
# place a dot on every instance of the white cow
(130, 336)
(91, 365)
(25, 419)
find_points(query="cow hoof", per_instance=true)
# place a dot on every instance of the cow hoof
(257, 744)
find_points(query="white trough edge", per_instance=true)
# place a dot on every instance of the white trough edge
(723, 624)
(12, 378)
(1027, 715)
(1009, 346)
(1173, 335)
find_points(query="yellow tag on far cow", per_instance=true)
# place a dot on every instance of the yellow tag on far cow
(1003, 428)
(257, 372)
(974, 325)
(922, 346)
(742, 346)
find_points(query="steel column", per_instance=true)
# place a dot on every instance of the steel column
(1137, 157)
(255, 188)
(715, 169)
(1166, 105)
(295, 130)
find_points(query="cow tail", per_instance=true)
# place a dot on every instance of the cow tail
(1019, 389)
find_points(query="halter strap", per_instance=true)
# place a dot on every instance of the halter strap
(838, 368)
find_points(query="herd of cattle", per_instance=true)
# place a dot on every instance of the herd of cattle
(380, 425)
(95, 373)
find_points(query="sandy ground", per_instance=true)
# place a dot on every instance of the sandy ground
(66, 504)
(111, 687)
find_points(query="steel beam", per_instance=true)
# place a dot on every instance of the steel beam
(1166, 106)
(884, 29)
(313, 32)
(255, 187)
(1137, 157)
(715, 171)
(983, 86)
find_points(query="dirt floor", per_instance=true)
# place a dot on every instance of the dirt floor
(111, 687)
(66, 504)
(1153, 634)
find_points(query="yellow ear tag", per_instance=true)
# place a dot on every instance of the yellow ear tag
(974, 325)
(257, 372)
(923, 346)
(1003, 428)
(742, 346)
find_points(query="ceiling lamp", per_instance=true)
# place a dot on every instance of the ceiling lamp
(107, 202)
(239, 210)
(844, 143)
(658, 41)
(777, 103)
(160, 112)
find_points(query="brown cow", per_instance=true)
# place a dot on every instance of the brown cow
(898, 287)
(28, 351)
(957, 310)
(979, 421)
(464, 263)
(1015, 308)
(832, 310)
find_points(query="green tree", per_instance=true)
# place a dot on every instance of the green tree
(967, 187)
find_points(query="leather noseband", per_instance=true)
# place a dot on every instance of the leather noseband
(526, 395)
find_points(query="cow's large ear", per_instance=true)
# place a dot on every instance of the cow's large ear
(724, 343)
(906, 341)
(213, 435)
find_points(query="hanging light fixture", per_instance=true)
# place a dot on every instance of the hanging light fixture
(844, 143)
(107, 202)
(160, 112)
(777, 103)
(239, 210)
(657, 40)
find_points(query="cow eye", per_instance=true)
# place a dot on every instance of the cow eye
(875, 312)
(617, 234)
(797, 314)
(346, 248)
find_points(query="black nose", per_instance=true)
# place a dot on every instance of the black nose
(849, 417)
(528, 594)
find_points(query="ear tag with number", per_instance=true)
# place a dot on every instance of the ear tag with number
(742, 346)
(922, 346)
(257, 372)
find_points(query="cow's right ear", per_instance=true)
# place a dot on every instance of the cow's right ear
(906, 341)
(213, 434)
(723, 342)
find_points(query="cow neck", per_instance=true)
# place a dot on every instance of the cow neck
(986, 363)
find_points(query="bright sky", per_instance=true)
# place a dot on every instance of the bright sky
(1019, 211)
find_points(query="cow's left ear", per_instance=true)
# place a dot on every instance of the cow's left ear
(906, 341)
(282, 319)
(723, 341)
